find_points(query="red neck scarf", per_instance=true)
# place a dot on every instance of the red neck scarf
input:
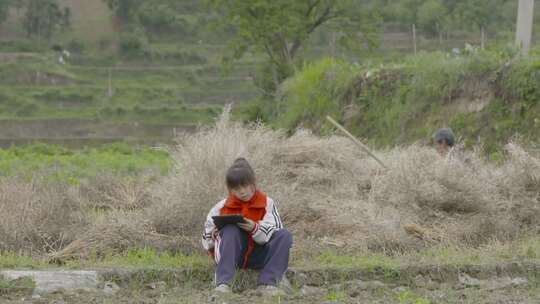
(249, 209)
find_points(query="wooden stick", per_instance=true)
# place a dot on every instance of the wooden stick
(356, 141)
(414, 37)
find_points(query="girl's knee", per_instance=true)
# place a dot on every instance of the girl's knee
(284, 236)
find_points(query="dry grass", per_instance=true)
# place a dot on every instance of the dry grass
(328, 192)
(108, 192)
(117, 238)
(37, 218)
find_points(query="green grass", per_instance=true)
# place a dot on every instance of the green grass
(10, 260)
(336, 296)
(410, 297)
(145, 258)
(58, 163)
(527, 249)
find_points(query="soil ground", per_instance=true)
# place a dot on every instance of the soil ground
(370, 293)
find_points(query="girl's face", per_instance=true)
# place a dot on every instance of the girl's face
(244, 193)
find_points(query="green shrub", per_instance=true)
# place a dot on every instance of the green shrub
(314, 92)
(439, 76)
(160, 21)
(520, 82)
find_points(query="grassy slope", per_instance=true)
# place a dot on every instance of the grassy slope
(483, 98)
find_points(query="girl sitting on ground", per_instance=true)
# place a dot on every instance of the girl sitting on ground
(260, 242)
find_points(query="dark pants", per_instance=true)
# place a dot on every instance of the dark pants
(272, 258)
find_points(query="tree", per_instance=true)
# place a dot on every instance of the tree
(45, 17)
(431, 16)
(280, 28)
(482, 15)
(402, 11)
(477, 14)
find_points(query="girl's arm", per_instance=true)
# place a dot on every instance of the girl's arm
(268, 225)
(209, 228)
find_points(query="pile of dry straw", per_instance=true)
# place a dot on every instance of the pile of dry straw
(328, 192)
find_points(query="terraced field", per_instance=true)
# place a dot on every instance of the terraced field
(42, 100)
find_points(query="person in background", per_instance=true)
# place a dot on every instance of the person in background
(444, 141)
(63, 54)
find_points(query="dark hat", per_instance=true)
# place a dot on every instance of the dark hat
(444, 134)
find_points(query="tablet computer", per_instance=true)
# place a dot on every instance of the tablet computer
(222, 220)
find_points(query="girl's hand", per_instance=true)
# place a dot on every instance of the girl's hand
(248, 225)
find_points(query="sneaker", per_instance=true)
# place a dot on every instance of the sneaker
(223, 288)
(270, 291)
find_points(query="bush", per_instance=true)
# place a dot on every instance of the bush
(313, 93)
(161, 20)
(520, 82)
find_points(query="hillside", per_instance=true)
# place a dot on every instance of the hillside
(487, 97)
(105, 104)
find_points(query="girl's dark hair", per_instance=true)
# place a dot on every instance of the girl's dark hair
(239, 174)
